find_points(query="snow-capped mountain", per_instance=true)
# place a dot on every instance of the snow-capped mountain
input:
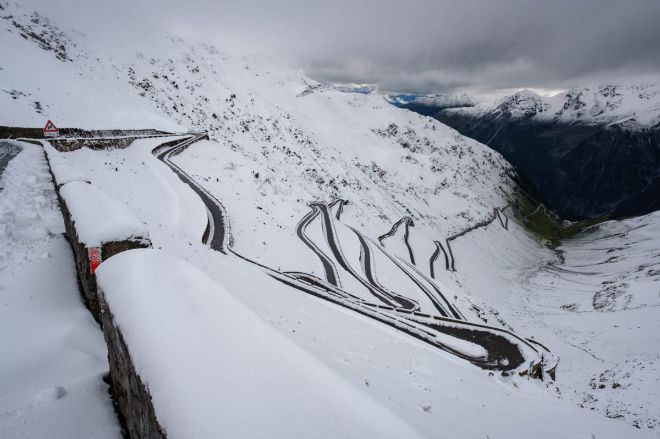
(587, 152)
(447, 100)
(283, 152)
(430, 104)
(631, 106)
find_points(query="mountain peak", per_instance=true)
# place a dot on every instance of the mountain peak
(522, 104)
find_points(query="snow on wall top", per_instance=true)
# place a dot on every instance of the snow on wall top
(98, 217)
(63, 170)
(215, 368)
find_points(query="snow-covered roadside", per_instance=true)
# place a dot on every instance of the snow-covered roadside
(428, 389)
(595, 304)
(53, 353)
(215, 366)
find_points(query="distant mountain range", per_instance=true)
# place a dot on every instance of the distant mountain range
(587, 152)
(631, 106)
(431, 104)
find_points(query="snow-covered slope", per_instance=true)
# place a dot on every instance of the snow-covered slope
(426, 388)
(280, 142)
(53, 354)
(595, 299)
(588, 152)
(630, 105)
(47, 72)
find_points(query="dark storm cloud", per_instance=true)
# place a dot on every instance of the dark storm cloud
(430, 45)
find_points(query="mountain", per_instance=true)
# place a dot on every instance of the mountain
(380, 207)
(632, 106)
(430, 104)
(588, 152)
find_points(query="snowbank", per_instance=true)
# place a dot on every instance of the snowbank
(98, 227)
(213, 367)
(64, 172)
(53, 353)
(99, 218)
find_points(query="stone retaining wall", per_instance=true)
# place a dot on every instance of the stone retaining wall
(131, 394)
(81, 252)
(86, 276)
(133, 400)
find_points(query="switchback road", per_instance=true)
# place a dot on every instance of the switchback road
(505, 350)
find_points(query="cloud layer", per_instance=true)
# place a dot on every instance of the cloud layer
(426, 45)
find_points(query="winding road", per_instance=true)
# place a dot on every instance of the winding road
(408, 223)
(505, 351)
(328, 265)
(214, 236)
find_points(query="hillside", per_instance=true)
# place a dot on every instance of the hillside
(317, 187)
(588, 152)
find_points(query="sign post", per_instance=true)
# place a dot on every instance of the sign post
(50, 130)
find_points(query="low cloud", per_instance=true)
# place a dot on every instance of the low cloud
(425, 45)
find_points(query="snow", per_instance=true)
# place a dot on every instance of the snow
(403, 374)
(152, 192)
(593, 301)
(63, 171)
(39, 86)
(280, 141)
(636, 106)
(216, 366)
(53, 353)
(98, 218)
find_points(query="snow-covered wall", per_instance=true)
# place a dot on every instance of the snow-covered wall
(215, 368)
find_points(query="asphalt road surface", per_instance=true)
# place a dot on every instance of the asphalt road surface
(503, 347)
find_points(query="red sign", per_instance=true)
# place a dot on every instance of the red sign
(50, 130)
(95, 260)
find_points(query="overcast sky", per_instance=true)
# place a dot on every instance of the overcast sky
(430, 45)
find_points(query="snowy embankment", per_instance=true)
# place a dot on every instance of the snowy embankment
(424, 387)
(215, 367)
(53, 355)
(594, 300)
(281, 141)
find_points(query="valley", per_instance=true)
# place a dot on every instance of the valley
(314, 263)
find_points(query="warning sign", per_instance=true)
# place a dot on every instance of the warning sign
(50, 130)
(95, 260)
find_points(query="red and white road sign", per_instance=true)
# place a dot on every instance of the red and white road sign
(95, 260)
(50, 130)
